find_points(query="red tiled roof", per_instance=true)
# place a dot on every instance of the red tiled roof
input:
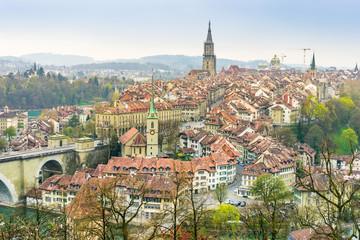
(128, 135)
(139, 141)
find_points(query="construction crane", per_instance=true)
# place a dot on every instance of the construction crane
(282, 60)
(302, 49)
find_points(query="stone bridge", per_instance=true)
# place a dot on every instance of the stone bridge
(19, 172)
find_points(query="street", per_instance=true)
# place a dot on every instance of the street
(232, 192)
(191, 125)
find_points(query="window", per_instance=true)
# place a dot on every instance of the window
(168, 169)
(48, 199)
(145, 169)
(152, 124)
(152, 169)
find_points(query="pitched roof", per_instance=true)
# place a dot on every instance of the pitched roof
(85, 203)
(139, 141)
(128, 135)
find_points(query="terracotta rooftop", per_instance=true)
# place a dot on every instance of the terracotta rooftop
(128, 135)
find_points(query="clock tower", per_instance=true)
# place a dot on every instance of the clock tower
(152, 127)
(209, 58)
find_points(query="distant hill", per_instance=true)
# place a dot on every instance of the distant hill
(121, 66)
(166, 62)
(57, 59)
(182, 62)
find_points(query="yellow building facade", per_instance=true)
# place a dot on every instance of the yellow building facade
(122, 122)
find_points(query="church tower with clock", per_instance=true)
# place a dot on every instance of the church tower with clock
(152, 126)
(209, 58)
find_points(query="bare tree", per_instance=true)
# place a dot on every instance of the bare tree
(334, 191)
(175, 215)
(89, 212)
(127, 199)
(169, 134)
(197, 211)
(220, 194)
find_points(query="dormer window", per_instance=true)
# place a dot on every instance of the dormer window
(161, 169)
(124, 169)
(77, 186)
(145, 169)
(152, 169)
(52, 184)
(116, 168)
(168, 169)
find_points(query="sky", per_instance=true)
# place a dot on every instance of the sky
(241, 30)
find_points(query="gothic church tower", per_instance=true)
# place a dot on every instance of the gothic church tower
(209, 58)
(313, 68)
(152, 127)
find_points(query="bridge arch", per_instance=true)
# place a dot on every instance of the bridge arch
(7, 190)
(48, 167)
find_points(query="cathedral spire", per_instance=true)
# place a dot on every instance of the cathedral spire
(313, 66)
(209, 37)
(152, 113)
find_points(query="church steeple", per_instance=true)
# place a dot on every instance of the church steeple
(209, 37)
(313, 70)
(152, 126)
(152, 113)
(313, 62)
(356, 68)
(209, 58)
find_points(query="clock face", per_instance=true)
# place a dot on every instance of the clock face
(152, 132)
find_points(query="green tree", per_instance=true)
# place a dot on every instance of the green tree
(41, 72)
(355, 121)
(10, 132)
(340, 114)
(23, 101)
(90, 128)
(3, 144)
(221, 193)
(349, 137)
(78, 131)
(272, 192)
(311, 109)
(74, 121)
(226, 217)
(68, 131)
(315, 137)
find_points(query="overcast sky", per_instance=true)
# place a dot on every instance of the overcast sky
(242, 30)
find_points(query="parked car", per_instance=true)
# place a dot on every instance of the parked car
(237, 203)
(228, 201)
(243, 204)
